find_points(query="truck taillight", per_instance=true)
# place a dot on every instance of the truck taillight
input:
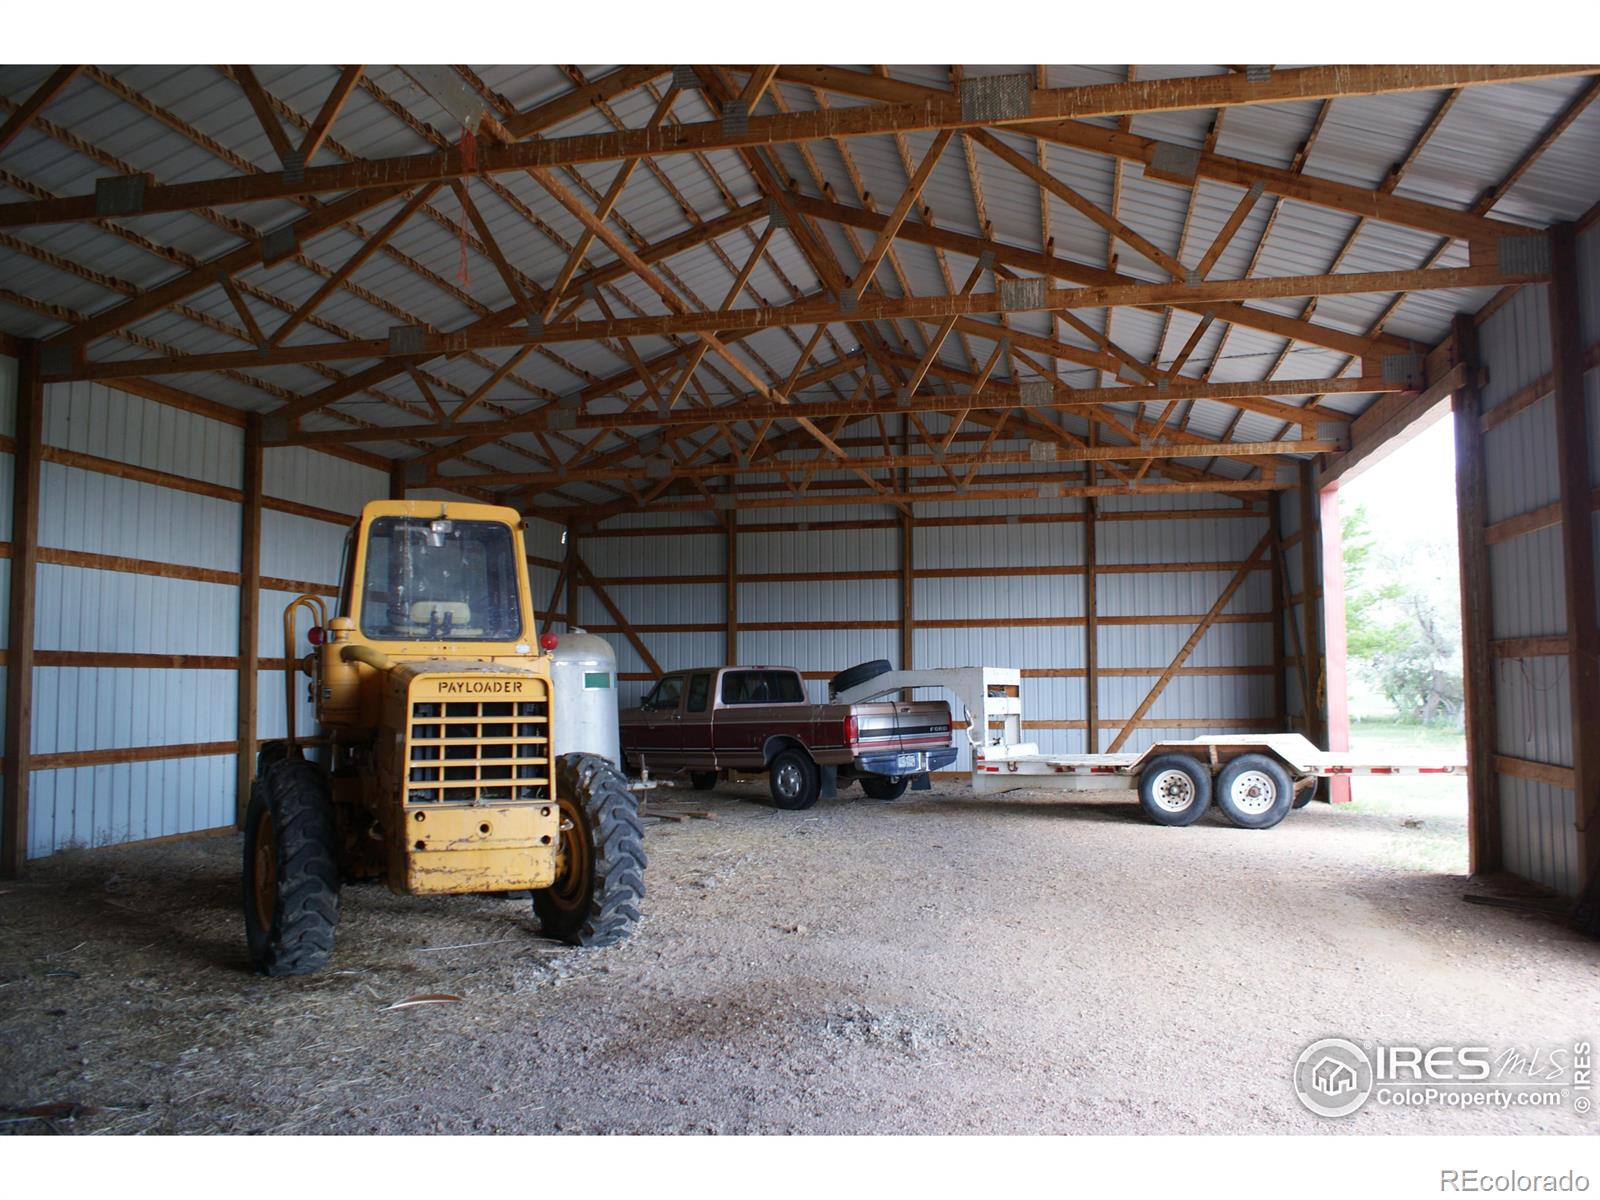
(316, 635)
(851, 729)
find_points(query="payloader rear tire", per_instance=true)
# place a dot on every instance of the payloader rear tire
(599, 885)
(291, 870)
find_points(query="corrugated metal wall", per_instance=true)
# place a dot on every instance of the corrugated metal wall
(998, 584)
(1528, 599)
(84, 610)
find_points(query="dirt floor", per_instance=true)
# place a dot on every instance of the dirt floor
(942, 963)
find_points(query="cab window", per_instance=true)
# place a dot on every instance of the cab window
(761, 687)
(440, 580)
(699, 693)
(665, 694)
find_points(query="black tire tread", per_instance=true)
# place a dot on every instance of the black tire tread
(860, 673)
(1267, 764)
(301, 938)
(884, 789)
(814, 779)
(1203, 790)
(617, 835)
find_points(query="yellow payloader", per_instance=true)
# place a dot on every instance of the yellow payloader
(436, 772)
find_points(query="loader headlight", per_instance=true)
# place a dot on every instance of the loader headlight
(438, 531)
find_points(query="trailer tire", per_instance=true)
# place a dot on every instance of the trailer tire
(291, 870)
(860, 673)
(1254, 791)
(702, 781)
(882, 787)
(599, 885)
(794, 780)
(1317, 791)
(1175, 789)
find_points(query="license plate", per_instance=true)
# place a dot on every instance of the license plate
(907, 762)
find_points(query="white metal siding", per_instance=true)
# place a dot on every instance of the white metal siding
(1528, 594)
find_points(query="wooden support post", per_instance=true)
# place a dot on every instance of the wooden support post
(28, 442)
(1330, 605)
(908, 592)
(573, 564)
(1311, 602)
(1577, 544)
(1477, 626)
(1091, 625)
(1281, 614)
(730, 653)
(397, 480)
(249, 615)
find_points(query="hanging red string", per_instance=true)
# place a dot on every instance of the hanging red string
(469, 165)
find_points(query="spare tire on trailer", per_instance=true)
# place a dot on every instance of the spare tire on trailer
(860, 673)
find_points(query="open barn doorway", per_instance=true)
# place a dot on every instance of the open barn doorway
(1395, 673)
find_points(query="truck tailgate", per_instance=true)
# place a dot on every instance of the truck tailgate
(890, 726)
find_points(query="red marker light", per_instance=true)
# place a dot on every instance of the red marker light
(316, 635)
(548, 641)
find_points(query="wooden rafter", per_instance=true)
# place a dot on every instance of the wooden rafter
(30, 108)
(1059, 111)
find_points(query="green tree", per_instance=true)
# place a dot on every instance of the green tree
(1403, 619)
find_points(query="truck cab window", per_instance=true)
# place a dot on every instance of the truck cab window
(699, 693)
(761, 687)
(665, 694)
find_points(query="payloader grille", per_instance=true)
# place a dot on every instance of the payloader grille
(478, 752)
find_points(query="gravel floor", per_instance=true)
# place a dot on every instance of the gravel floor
(939, 964)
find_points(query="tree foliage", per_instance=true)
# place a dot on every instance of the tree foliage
(1403, 619)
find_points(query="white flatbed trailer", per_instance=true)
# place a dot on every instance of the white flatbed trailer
(1255, 778)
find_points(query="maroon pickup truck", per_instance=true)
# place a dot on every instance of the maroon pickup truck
(710, 719)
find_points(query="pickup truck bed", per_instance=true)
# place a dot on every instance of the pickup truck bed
(710, 719)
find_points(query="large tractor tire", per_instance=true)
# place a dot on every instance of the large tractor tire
(881, 787)
(600, 864)
(1175, 789)
(291, 870)
(793, 779)
(1254, 791)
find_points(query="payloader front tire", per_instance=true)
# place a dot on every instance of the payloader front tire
(599, 885)
(291, 870)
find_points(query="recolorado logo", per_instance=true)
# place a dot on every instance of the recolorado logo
(479, 687)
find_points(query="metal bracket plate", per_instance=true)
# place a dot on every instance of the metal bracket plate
(274, 427)
(1528, 255)
(657, 468)
(407, 339)
(1023, 295)
(294, 167)
(1042, 452)
(560, 416)
(451, 93)
(1035, 392)
(735, 118)
(776, 215)
(413, 474)
(996, 98)
(685, 79)
(1173, 162)
(279, 244)
(1258, 74)
(120, 195)
(1404, 368)
(57, 359)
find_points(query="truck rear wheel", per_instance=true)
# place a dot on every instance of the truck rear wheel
(881, 787)
(794, 779)
(291, 870)
(600, 861)
(1254, 791)
(1174, 789)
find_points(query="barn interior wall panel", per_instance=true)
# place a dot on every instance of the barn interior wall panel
(1534, 721)
(999, 584)
(8, 425)
(131, 748)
